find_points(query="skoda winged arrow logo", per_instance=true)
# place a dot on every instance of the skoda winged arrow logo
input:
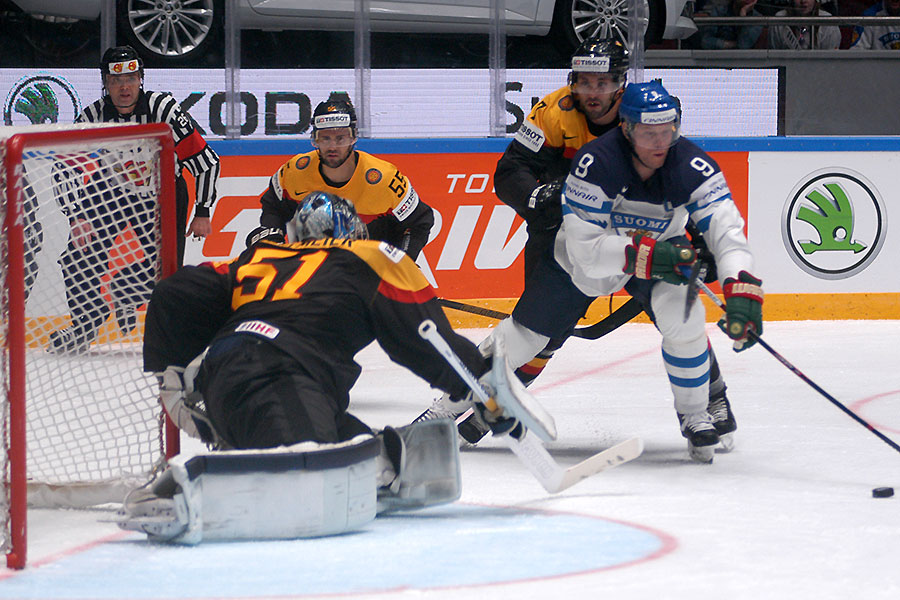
(834, 223)
(42, 98)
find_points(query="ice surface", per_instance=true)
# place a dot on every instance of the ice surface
(788, 514)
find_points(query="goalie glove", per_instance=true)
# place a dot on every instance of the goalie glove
(743, 309)
(545, 205)
(646, 258)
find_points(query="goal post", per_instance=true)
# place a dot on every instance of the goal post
(88, 225)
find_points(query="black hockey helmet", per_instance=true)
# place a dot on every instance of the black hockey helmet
(337, 111)
(121, 60)
(600, 55)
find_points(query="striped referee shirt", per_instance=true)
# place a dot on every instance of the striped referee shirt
(191, 149)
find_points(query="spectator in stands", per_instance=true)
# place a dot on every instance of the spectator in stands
(804, 37)
(717, 37)
(879, 37)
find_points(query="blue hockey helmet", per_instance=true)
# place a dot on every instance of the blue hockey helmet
(321, 215)
(649, 104)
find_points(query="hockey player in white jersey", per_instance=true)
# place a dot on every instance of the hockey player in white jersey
(628, 198)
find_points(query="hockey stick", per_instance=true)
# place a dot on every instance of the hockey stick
(613, 321)
(527, 448)
(758, 338)
(698, 273)
(475, 310)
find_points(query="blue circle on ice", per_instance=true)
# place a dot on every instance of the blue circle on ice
(455, 546)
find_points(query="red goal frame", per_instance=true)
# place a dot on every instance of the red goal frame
(16, 145)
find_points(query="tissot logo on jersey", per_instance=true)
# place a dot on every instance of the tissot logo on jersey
(530, 136)
(394, 254)
(407, 205)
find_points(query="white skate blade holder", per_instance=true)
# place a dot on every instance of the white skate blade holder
(514, 398)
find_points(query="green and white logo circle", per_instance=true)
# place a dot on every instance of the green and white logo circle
(39, 99)
(834, 223)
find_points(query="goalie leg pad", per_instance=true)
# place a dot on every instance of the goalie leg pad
(425, 459)
(300, 491)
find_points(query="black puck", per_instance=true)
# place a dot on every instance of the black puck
(883, 492)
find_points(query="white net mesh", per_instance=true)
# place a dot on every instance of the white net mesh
(92, 244)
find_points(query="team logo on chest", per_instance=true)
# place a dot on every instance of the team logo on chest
(640, 223)
(302, 163)
(373, 176)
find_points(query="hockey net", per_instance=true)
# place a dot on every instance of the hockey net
(88, 225)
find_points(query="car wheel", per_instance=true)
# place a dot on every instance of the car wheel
(576, 20)
(170, 31)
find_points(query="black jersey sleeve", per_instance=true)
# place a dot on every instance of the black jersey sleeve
(410, 234)
(520, 170)
(185, 312)
(396, 328)
(402, 301)
(276, 211)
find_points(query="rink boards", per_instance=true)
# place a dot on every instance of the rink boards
(816, 212)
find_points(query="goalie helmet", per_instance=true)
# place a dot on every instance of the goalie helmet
(649, 104)
(121, 60)
(600, 55)
(323, 215)
(335, 112)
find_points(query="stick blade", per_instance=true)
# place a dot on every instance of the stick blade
(619, 454)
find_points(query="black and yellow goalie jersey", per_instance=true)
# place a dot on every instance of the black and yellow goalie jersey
(320, 302)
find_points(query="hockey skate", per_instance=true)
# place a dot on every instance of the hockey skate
(470, 426)
(70, 340)
(701, 435)
(723, 420)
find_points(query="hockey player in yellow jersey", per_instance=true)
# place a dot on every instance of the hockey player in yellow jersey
(528, 175)
(383, 197)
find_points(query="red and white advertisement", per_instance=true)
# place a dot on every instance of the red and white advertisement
(476, 244)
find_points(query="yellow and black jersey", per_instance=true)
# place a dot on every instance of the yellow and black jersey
(384, 198)
(543, 147)
(319, 302)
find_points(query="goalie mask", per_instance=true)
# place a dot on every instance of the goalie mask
(322, 215)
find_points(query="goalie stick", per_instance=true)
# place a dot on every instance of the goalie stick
(527, 448)
(758, 338)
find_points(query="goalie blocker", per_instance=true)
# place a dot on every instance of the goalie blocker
(305, 490)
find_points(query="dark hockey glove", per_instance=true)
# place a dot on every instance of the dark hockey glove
(647, 258)
(545, 205)
(271, 234)
(743, 309)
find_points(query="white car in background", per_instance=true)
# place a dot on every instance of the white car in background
(181, 30)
